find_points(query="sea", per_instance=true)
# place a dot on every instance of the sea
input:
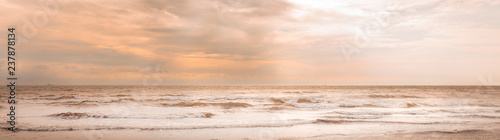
(258, 112)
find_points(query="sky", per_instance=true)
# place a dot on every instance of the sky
(255, 42)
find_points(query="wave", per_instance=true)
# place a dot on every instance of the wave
(51, 98)
(392, 96)
(71, 115)
(168, 128)
(305, 100)
(484, 105)
(227, 105)
(278, 101)
(476, 116)
(363, 121)
(120, 95)
(353, 106)
(354, 117)
(277, 124)
(459, 134)
(95, 102)
(456, 131)
(360, 113)
(83, 102)
(278, 108)
(411, 105)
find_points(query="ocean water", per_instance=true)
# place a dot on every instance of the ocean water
(259, 112)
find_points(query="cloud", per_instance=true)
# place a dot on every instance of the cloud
(257, 42)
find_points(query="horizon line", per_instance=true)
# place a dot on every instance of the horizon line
(247, 85)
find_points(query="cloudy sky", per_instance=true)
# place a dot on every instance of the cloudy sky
(332, 42)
